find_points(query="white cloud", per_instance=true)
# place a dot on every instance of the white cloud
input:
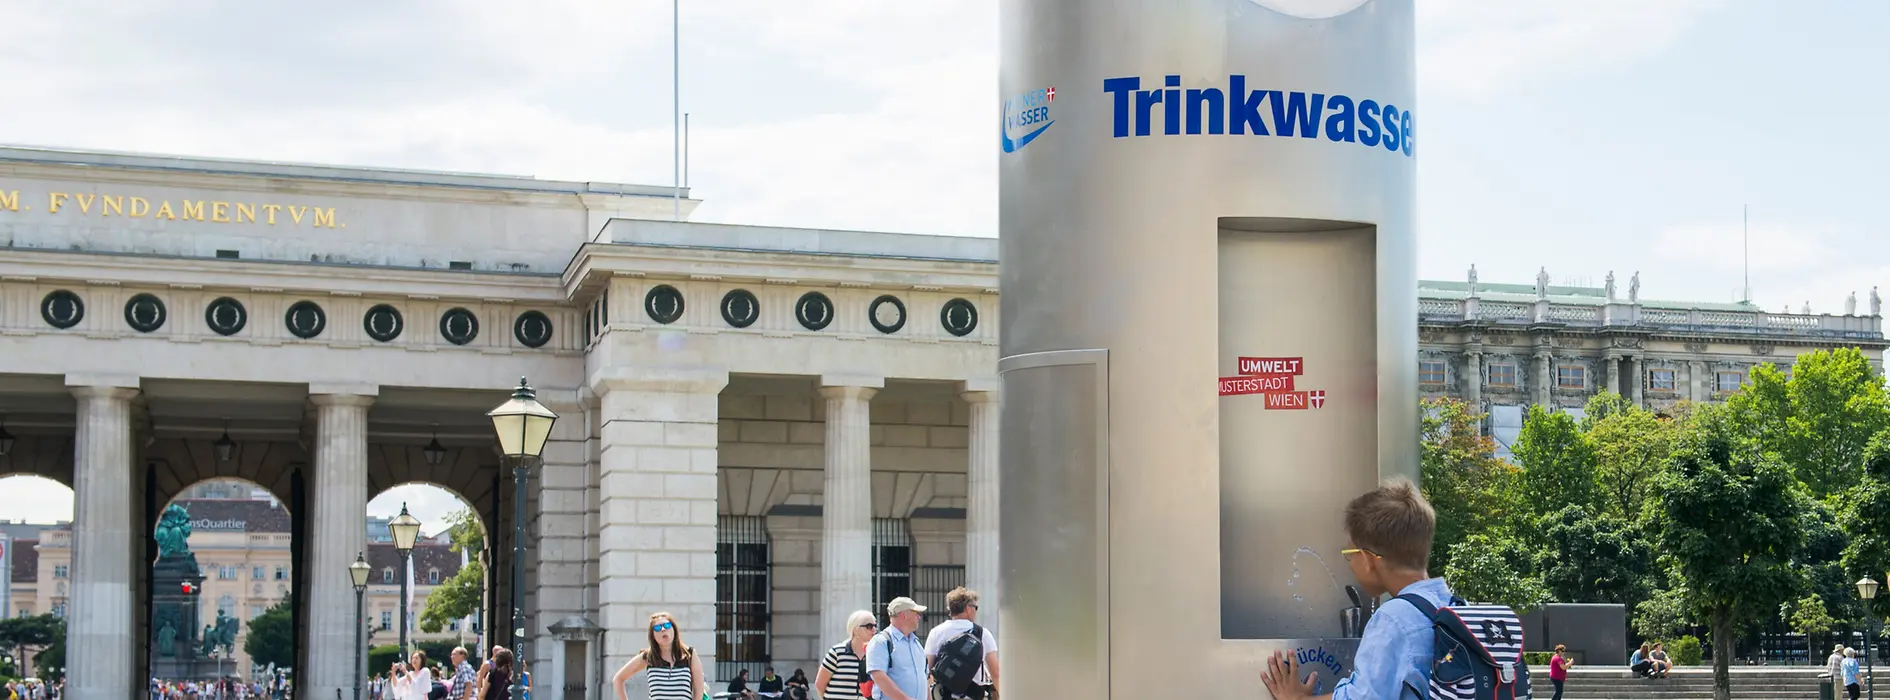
(426, 502)
(1473, 48)
(1719, 247)
(34, 499)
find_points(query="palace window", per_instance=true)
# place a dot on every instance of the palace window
(387, 575)
(1730, 381)
(387, 619)
(743, 618)
(1571, 377)
(892, 564)
(1660, 379)
(227, 573)
(59, 609)
(433, 577)
(1430, 372)
(259, 573)
(1502, 374)
(60, 571)
(282, 573)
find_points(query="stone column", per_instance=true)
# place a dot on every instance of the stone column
(561, 571)
(1614, 375)
(846, 561)
(337, 532)
(1696, 381)
(1637, 376)
(1473, 379)
(981, 491)
(657, 484)
(1544, 380)
(101, 645)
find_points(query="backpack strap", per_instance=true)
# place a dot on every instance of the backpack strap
(1422, 605)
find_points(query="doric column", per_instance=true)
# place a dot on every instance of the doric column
(1614, 375)
(1544, 380)
(100, 642)
(657, 455)
(1696, 381)
(1637, 378)
(1473, 379)
(338, 531)
(846, 560)
(981, 491)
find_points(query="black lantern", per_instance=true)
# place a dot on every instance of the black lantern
(435, 451)
(6, 440)
(226, 447)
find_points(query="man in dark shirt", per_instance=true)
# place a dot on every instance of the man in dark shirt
(770, 683)
(738, 688)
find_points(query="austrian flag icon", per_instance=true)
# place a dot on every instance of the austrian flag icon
(1050, 95)
(1316, 398)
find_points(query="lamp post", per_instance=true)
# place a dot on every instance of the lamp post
(405, 529)
(1867, 589)
(523, 425)
(358, 572)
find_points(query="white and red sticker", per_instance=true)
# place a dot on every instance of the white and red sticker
(1257, 366)
(1241, 386)
(1274, 378)
(1287, 401)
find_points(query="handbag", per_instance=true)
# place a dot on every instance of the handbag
(866, 686)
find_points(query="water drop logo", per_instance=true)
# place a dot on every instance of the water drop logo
(1311, 9)
(1026, 117)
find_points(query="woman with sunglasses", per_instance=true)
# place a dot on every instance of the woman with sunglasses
(675, 672)
(844, 668)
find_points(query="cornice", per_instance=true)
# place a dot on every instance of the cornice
(260, 275)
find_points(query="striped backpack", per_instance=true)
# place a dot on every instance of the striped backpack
(1479, 651)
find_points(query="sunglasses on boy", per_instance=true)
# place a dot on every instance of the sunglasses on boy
(1349, 552)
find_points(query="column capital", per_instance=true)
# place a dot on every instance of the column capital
(342, 399)
(981, 390)
(114, 393)
(344, 389)
(861, 381)
(94, 380)
(845, 391)
(681, 380)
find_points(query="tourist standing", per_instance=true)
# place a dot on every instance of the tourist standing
(673, 671)
(1558, 668)
(498, 684)
(961, 654)
(843, 669)
(896, 658)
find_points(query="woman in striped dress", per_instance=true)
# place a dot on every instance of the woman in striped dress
(844, 668)
(674, 670)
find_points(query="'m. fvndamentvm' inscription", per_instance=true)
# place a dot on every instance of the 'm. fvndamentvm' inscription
(207, 210)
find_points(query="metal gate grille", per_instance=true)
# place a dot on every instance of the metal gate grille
(932, 583)
(892, 564)
(743, 616)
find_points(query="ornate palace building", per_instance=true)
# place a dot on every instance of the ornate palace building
(761, 429)
(1504, 347)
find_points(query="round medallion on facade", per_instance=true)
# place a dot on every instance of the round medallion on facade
(814, 310)
(887, 313)
(532, 329)
(305, 319)
(459, 326)
(383, 323)
(740, 308)
(959, 317)
(144, 313)
(62, 309)
(226, 316)
(664, 304)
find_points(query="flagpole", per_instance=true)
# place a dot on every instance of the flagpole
(675, 10)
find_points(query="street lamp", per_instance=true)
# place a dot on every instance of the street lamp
(358, 572)
(6, 439)
(1867, 589)
(434, 451)
(406, 529)
(224, 445)
(523, 425)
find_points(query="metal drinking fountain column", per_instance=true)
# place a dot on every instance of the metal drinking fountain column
(1208, 332)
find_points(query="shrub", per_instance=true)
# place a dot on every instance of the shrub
(1537, 659)
(1685, 651)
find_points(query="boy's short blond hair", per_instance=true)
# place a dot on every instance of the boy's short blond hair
(1394, 522)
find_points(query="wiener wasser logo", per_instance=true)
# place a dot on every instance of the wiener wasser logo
(1026, 117)
(1166, 109)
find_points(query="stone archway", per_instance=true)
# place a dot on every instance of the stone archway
(434, 565)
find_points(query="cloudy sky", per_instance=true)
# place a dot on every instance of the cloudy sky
(1586, 136)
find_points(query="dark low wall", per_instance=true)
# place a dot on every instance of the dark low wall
(1595, 633)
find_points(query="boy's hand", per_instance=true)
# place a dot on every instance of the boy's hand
(1282, 678)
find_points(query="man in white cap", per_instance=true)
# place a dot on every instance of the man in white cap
(896, 657)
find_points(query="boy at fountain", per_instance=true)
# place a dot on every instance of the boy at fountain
(1390, 531)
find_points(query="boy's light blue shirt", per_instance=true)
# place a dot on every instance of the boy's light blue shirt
(1394, 658)
(903, 661)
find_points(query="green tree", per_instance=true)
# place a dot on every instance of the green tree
(1558, 463)
(1866, 517)
(1494, 569)
(1471, 489)
(1631, 446)
(271, 638)
(1664, 614)
(37, 634)
(1729, 523)
(1808, 617)
(460, 594)
(1594, 558)
(1819, 419)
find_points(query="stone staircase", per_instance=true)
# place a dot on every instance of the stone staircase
(1691, 683)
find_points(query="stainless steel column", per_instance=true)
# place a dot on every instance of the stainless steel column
(1183, 182)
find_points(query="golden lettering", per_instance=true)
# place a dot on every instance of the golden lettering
(245, 211)
(297, 213)
(325, 217)
(57, 199)
(210, 210)
(139, 207)
(272, 212)
(193, 210)
(85, 202)
(220, 212)
(10, 201)
(108, 202)
(164, 212)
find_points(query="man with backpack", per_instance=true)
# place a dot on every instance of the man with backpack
(961, 654)
(1424, 644)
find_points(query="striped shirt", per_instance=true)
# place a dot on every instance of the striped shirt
(670, 682)
(847, 669)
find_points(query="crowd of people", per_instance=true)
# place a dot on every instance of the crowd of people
(957, 660)
(416, 679)
(219, 689)
(33, 689)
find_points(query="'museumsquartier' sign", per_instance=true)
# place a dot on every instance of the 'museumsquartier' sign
(215, 211)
